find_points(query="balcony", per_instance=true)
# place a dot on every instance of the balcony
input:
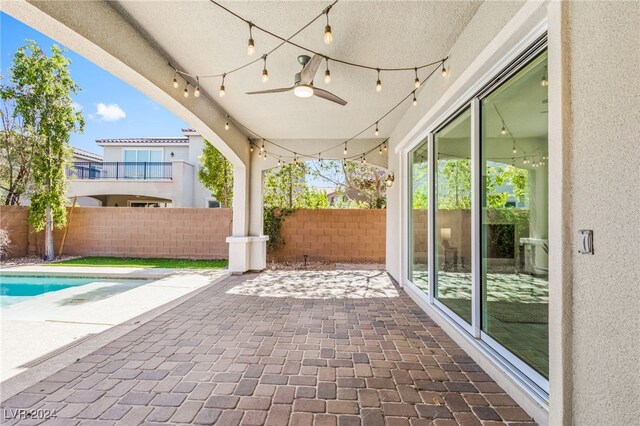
(115, 170)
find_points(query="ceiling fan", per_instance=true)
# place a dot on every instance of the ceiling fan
(303, 82)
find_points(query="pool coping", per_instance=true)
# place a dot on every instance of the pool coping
(95, 272)
(50, 365)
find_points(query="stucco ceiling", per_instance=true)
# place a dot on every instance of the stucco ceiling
(203, 39)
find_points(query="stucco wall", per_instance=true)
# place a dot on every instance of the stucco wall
(336, 235)
(603, 54)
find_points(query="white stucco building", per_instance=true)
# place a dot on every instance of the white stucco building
(141, 172)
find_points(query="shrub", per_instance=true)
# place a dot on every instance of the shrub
(5, 241)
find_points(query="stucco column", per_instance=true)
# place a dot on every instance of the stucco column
(247, 245)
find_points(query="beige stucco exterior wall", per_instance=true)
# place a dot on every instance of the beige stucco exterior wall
(594, 68)
(603, 55)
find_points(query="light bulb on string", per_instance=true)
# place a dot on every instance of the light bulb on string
(544, 82)
(417, 80)
(251, 47)
(328, 35)
(380, 150)
(443, 71)
(265, 73)
(186, 90)
(345, 149)
(226, 124)
(378, 83)
(364, 160)
(196, 92)
(415, 100)
(377, 131)
(175, 80)
(222, 92)
(279, 162)
(327, 73)
(251, 146)
(262, 147)
(265, 156)
(385, 147)
(503, 131)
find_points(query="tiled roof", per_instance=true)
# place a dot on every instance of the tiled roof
(187, 130)
(144, 141)
(82, 153)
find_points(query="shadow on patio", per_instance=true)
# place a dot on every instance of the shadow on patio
(278, 348)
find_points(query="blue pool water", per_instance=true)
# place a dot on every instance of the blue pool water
(15, 289)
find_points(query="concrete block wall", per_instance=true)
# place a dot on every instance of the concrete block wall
(14, 220)
(128, 232)
(336, 235)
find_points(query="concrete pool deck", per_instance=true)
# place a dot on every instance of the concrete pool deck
(34, 330)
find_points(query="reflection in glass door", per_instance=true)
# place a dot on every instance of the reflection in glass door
(418, 221)
(453, 215)
(514, 231)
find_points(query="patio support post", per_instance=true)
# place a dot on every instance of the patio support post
(247, 245)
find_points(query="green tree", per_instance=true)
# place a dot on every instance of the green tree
(41, 87)
(315, 199)
(454, 184)
(286, 186)
(216, 174)
(16, 151)
(359, 185)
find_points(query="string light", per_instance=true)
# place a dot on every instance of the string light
(377, 131)
(186, 90)
(251, 47)
(415, 101)
(196, 92)
(226, 125)
(514, 147)
(222, 92)
(364, 160)
(503, 131)
(251, 146)
(279, 162)
(545, 81)
(327, 73)
(444, 70)
(328, 36)
(385, 147)
(175, 80)
(380, 150)
(345, 149)
(262, 147)
(378, 83)
(265, 73)
(417, 80)
(265, 156)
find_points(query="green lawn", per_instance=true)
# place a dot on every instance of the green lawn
(133, 262)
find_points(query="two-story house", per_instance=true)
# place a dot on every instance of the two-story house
(143, 172)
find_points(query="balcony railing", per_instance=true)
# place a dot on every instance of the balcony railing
(120, 170)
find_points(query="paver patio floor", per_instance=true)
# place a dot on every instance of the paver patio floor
(301, 348)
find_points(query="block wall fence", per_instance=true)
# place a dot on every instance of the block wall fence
(324, 235)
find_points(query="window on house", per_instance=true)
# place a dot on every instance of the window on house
(142, 163)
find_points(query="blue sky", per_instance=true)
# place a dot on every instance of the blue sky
(112, 108)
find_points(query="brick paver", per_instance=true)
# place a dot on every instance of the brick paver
(234, 354)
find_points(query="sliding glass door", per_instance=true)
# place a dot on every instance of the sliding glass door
(453, 215)
(418, 220)
(478, 213)
(515, 246)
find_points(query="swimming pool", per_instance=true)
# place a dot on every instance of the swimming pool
(16, 289)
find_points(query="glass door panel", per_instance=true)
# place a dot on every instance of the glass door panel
(514, 196)
(453, 215)
(418, 219)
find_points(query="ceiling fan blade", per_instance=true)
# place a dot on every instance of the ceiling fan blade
(309, 71)
(328, 96)
(261, 92)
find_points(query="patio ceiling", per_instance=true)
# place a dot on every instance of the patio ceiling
(201, 38)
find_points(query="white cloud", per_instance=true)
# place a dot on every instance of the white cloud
(109, 112)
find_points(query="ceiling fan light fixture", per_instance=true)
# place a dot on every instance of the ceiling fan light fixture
(303, 91)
